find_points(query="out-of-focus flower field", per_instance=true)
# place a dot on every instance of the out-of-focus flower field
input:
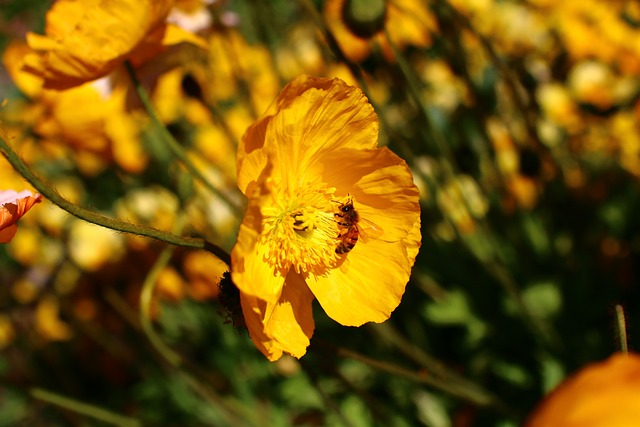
(173, 141)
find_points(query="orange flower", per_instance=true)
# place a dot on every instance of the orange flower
(87, 39)
(604, 394)
(307, 165)
(13, 206)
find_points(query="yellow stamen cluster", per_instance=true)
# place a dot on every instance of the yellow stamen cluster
(299, 228)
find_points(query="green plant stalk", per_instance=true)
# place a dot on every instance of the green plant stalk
(437, 369)
(621, 325)
(423, 377)
(146, 298)
(84, 408)
(172, 144)
(187, 371)
(98, 219)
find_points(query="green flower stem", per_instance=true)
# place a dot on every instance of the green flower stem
(436, 368)
(101, 220)
(190, 373)
(536, 323)
(472, 395)
(146, 298)
(84, 408)
(621, 325)
(173, 145)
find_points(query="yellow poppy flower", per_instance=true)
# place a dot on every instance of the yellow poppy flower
(87, 39)
(358, 24)
(13, 206)
(604, 394)
(311, 155)
(92, 118)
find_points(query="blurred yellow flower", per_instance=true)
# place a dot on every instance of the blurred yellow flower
(463, 202)
(48, 323)
(87, 39)
(170, 285)
(240, 69)
(595, 83)
(91, 247)
(91, 118)
(7, 331)
(307, 164)
(202, 272)
(604, 394)
(358, 25)
(13, 206)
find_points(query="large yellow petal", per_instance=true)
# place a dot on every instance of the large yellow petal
(370, 281)
(251, 270)
(253, 311)
(87, 39)
(290, 321)
(310, 116)
(286, 325)
(367, 286)
(328, 115)
(381, 185)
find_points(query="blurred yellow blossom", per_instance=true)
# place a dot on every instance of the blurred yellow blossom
(202, 272)
(90, 118)
(47, 321)
(237, 68)
(462, 201)
(596, 84)
(87, 39)
(558, 106)
(7, 331)
(170, 285)
(92, 247)
(358, 25)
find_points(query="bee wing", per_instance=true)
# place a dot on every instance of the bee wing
(369, 230)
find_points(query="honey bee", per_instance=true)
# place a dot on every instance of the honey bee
(352, 227)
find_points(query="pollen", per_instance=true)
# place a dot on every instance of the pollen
(299, 229)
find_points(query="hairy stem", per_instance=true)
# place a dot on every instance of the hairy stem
(98, 219)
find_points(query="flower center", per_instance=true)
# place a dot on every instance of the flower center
(299, 228)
